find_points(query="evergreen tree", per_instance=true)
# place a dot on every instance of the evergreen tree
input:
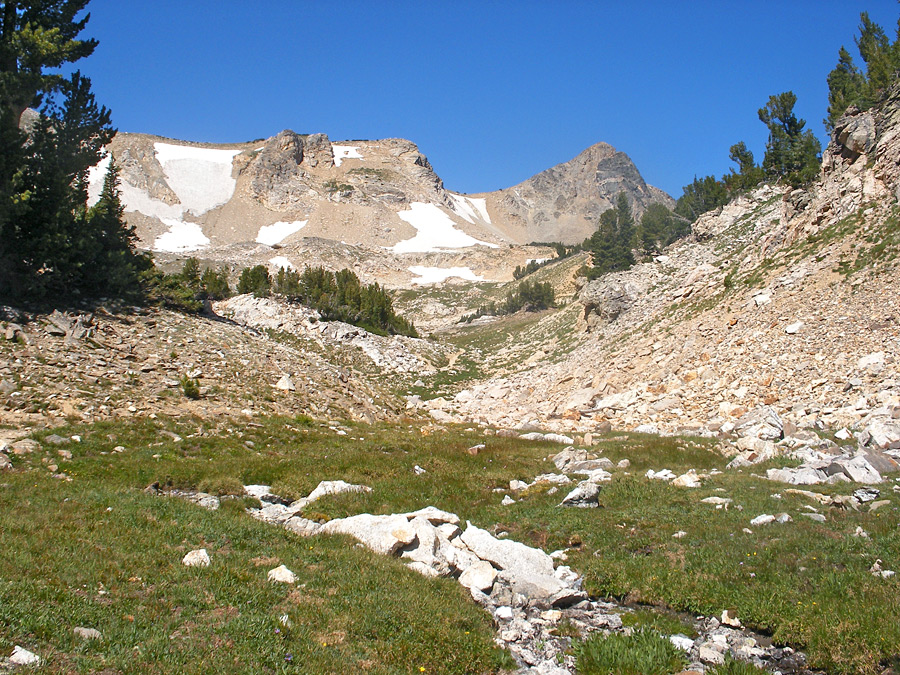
(702, 195)
(214, 285)
(190, 273)
(611, 245)
(116, 265)
(792, 152)
(660, 227)
(255, 280)
(50, 244)
(748, 175)
(846, 86)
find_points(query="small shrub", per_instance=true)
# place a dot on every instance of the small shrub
(221, 485)
(644, 652)
(305, 421)
(735, 667)
(665, 624)
(190, 387)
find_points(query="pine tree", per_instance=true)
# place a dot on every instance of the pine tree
(846, 86)
(48, 246)
(792, 152)
(748, 175)
(115, 266)
(702, 195)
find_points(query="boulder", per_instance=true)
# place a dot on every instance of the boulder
(858, 136)
(882, 434)
(480, 576)
(24, 447)
(334, 487)
(282, 575)
(762, 422)
(383, 534)
(285, 383)
(23, 657)
(302, 526)
(689, 479)
(607, 300)
(87, 633)
(434, 516)
(568, 457)
(196, 558)
(583, 496)
(506, 555)
(426, 548)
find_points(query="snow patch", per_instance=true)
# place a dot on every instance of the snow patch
(181, 237)
(434, 231)
(200, 177)
(470, 208)
(342, 152)
(96, 176)
(436, 275)
(278, 232)
(280, 261)
(481, 206)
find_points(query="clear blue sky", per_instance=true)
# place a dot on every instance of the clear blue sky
(492, 92)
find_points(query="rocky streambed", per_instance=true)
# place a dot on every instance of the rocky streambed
(537, 602)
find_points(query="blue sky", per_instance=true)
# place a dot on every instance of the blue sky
(492, 92)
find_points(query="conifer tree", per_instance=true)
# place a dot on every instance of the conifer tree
(50, 245)
(792, 152)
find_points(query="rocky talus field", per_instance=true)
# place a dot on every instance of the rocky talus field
(692, 466)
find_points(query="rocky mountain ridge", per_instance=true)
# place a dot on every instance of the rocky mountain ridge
(260, 202)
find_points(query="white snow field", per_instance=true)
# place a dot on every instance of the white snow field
(470, 208)
(342, 152)
(200, 177)
(278, 232)
(436, 275)
(180, 238)
(280, 261)
(435, 231)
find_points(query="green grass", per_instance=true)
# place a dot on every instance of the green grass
(663, 623)
(644, 652)
(735, 667)
(804, 582)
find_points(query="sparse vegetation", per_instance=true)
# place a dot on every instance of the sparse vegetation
(530, 296)
(333, 186)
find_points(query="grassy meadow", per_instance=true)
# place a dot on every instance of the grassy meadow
(99, 552)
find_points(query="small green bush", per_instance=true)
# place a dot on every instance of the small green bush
(665, 624)
(221, 485)
(644, 652)
(735, 667)
(190, 387)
